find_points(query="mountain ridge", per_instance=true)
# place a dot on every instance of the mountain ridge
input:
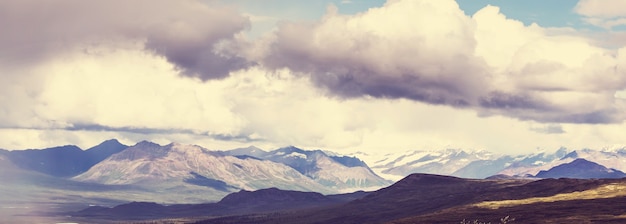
(151, 164)
(580, 168)
(483, 164)
(63, 161)
(328, 170)
(426, 198)
(242, 202)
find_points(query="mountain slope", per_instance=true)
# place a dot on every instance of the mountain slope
(102, 151)
(242, 202)
(415, 194)
(568, 201)
(421, 198)
(580, 168)
(177, 165)
(63, 161)
(342, 173)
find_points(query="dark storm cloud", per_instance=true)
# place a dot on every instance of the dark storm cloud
(199, 61)
(356, 84)
(502, 100)
(595, 117)
(192, 35)
(365, 64)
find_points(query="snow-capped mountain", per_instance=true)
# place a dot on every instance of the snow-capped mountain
(180, 165)
(444, 162)
(482, 164)
(532, 165)
(343, 173)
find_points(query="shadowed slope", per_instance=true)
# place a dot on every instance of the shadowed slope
(423, 198)
(242, 202)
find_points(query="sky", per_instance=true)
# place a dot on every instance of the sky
(376, 76)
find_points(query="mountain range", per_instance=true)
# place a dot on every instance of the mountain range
(112, 173)
(245, 168)
(483, 164)
(178, 173)
(191, 169)
(177, 166)
(337, 172)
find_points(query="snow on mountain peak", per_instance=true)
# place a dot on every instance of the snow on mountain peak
(297, 154)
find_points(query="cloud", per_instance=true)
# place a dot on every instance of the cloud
(194, 36)
(487, 62)
(132, 96)
(153, 131)
(602, 13)
(352, 56)
(115, 88)
(601, 8)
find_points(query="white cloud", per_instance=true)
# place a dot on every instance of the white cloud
(101, 89)
(277, 108)
(394, 51)
(601, 8)
(126, 87)
(190, 34)
(602, 13)
(487, 62)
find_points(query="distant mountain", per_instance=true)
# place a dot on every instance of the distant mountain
(63, 161)
(456, 162)
(20, 186)
(343, 173)
(532, 165)
(580, 168)
(482, 164)
(195, 169)
(251, 151)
